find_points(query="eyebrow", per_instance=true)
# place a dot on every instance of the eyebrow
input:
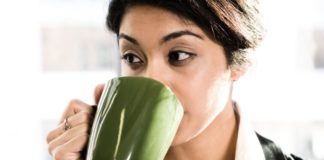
(128, 38)
(178, 34)
(165, 39)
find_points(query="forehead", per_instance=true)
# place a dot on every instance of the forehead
(148, 18)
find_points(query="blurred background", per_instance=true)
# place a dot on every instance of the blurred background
(52, 51)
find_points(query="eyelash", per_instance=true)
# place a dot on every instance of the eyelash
(180, 62)
(129, 57)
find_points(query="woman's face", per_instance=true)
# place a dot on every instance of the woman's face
(156, 43)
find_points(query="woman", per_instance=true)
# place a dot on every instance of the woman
(198, 49)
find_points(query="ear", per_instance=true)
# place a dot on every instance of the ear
(236, 74)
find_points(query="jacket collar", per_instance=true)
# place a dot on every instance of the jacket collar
(248, 146)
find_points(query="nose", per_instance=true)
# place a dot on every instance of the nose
(158, 71)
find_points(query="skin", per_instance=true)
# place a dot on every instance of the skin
(156, 43)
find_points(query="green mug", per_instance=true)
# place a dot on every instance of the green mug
(137, 119)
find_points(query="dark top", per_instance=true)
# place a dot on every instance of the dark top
(272, 151)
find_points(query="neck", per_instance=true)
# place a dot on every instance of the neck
(216, 142)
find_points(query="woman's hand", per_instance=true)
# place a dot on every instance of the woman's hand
(69, 139)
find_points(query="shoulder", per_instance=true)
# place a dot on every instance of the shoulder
(273, 152)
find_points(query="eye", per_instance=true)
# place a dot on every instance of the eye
(131, 58)
(178, 58)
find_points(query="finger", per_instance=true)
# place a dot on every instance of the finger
(72, 149)
(98, 92)
(68, 135)
(75, 120)
(75, 106)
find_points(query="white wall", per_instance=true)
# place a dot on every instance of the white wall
(28, 96)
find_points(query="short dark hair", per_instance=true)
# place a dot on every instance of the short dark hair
(235, 24)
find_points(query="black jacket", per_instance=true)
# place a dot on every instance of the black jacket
(273, 152)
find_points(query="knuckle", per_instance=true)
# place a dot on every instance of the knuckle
(49, 137)
(51, 148)
(74, 102)
(59, 154)
(84, 117)
(84, 128)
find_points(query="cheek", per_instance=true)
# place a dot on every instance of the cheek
(218, 94)
(202, 100)
(204, 94)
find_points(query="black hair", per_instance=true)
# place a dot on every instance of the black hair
(235, 24)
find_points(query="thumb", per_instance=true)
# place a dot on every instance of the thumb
(98, 91)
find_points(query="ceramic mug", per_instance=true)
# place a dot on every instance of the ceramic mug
(137, 119)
